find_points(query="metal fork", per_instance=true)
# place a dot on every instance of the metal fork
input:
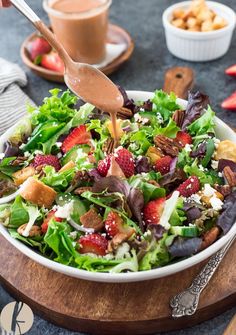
(186, 302)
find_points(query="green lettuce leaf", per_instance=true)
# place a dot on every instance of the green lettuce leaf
(18, 214)
(165, 104)
(170, 130)
(58, 180)
(204, 124)
(150, 192)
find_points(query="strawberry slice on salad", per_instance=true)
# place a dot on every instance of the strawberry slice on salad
(230, 102)
(115, 225)
(231, 71)
(123, 157)
(153, 210)
(50, 216)
(93, 243)
(52, 61)
(184, 138)
(189, 187)
(42, 160)
(79, 135)
(163, 164)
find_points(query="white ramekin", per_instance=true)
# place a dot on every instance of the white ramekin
(199, 46)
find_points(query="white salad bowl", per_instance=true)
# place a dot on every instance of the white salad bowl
(223, 132)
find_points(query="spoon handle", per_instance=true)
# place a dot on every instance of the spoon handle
(28, 12)
(186, 302)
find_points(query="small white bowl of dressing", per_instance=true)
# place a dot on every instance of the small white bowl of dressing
(199, 46)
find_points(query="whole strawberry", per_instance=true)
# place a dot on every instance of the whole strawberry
(42, 160)
(189, 187)
(153, 210)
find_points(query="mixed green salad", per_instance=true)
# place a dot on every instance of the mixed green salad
(165, 193)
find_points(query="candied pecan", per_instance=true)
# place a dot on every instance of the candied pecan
(210, 237)
(79, 178)
(92, 219)
(117, 240)
(18, 161)
(230, 176)
(153, 182)
(223, 189)
(34, 231)
(109, 146)
(39, 170)
(168, 145)
(82, 189)
(6, 187)
(125, 113)
(178, 117)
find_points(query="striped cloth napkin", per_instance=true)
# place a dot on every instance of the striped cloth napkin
(12, 99)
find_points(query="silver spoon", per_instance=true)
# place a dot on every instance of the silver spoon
(84, 80)
(186, 302)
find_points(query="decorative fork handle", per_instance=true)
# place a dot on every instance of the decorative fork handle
(186, 302)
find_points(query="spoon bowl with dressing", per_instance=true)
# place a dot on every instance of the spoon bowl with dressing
(82, 79)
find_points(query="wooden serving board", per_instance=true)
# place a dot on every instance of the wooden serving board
(99, 308)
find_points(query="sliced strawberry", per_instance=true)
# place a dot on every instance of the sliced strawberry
(153, 210)
(184, 138)
(38, 47)
(231, 71)
(50, 215)
(115, 225)
(104, 166)
(189, 187)
(42, 160)
(94, 243)
(163, 164)
(52, 61)
(230, 103)
(125, 160)
(79, 135)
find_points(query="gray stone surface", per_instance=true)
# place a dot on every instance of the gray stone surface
(142, 18)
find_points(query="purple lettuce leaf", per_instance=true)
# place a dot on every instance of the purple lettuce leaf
(200, 151)
(147, 105)
(134, 196)
(228, 217)
(197, 102)
(95, 175)
(11, 150)
(184, 247)
(142, 165)
(226, 162)
(157, 231)
(172, 177)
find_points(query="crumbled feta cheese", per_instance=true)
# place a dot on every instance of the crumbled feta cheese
(2, 155)
(38, 152)
(220, 174)
(188, 147)
(201, 168)
(208, 191)
(58, 144)
(65, 211)
(122, 251)
(216, 142)
(159, 118)
(137, 117)
(216, 203)
(59, 155)
(214, 164)
(196, 198)
(27, 154)
(73, 235)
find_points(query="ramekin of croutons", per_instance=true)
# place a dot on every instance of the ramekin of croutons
(198, 30)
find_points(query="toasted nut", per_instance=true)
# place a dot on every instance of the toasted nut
(230, 176)
(154, 154)
(223, 189)
(178, 117)
(207, 200)
(109, 146)
(226, 150)
(179, 23)
(34, 231)
(125, 113)
(116, 241)
(21, 176)
(210, 237)
(168, 145)
(67, 166)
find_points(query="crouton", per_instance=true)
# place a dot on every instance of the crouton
(38, 193)
(22, 175)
